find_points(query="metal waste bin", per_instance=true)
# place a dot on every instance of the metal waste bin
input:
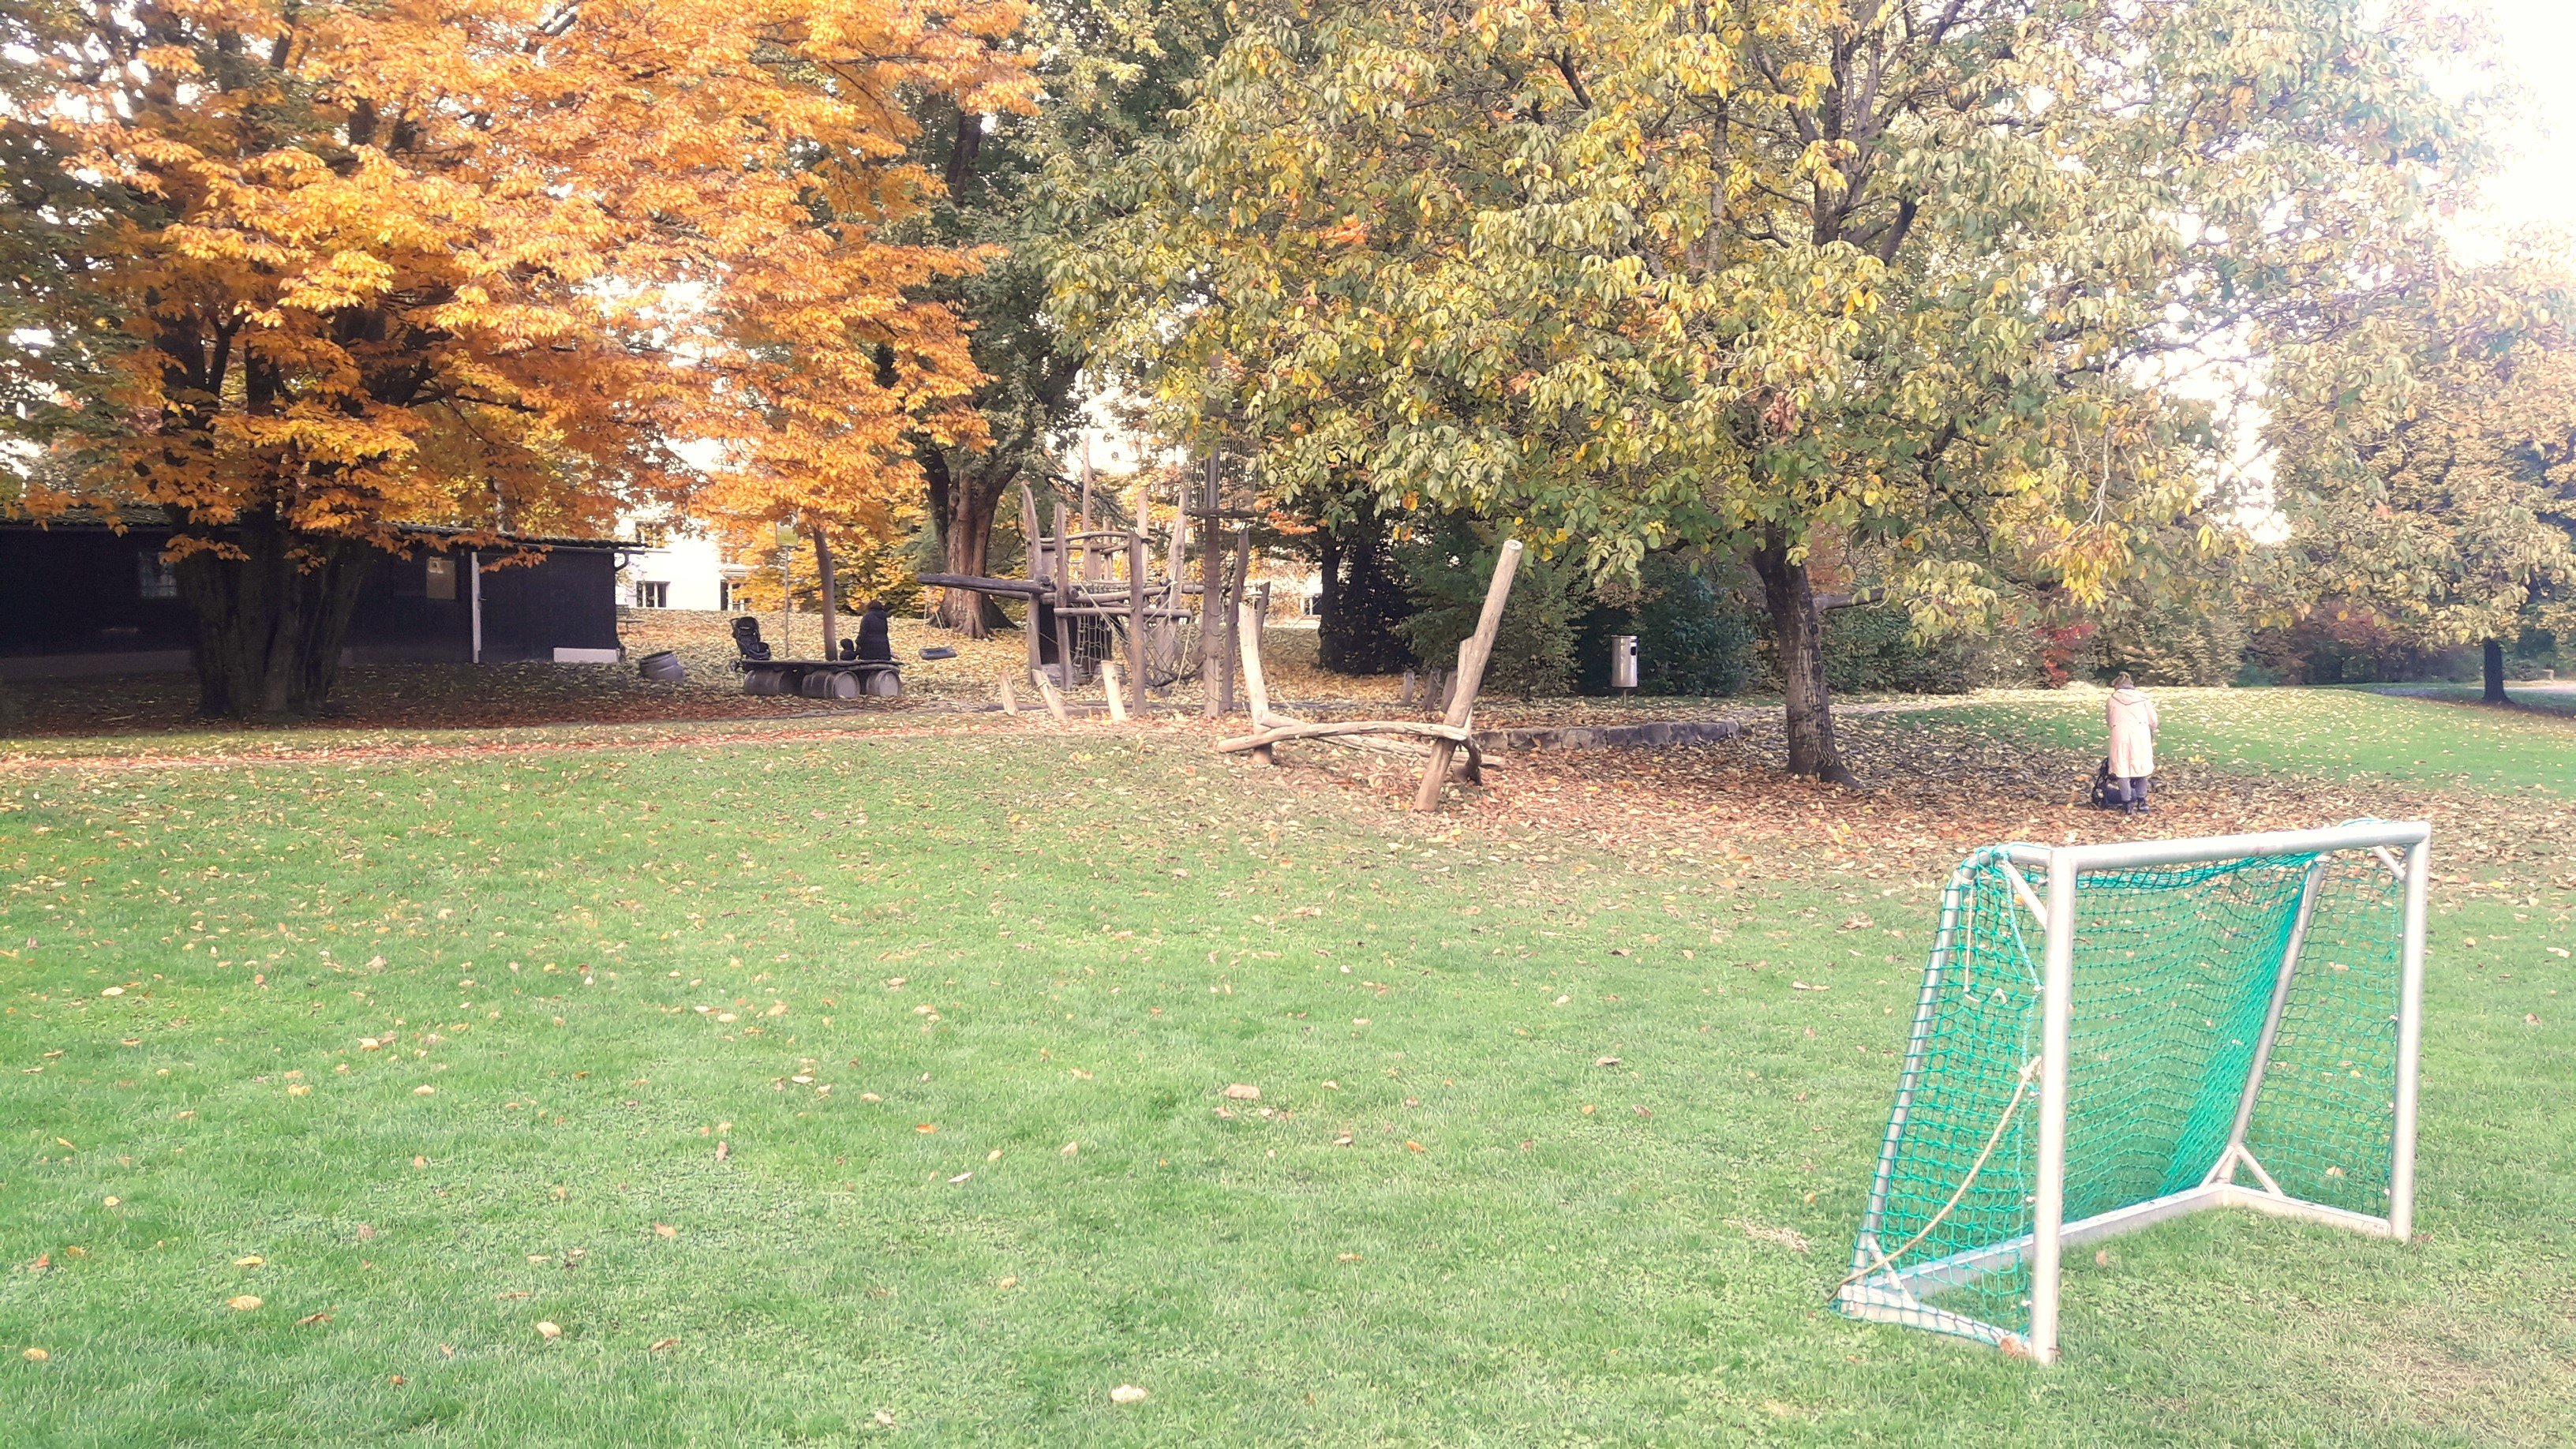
(1623, 661)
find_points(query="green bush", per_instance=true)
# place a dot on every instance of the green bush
(1871, 648)
(1446, 574)
(1692, 637)
(2191, 639)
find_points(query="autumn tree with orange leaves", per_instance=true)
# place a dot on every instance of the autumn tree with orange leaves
(488, 264)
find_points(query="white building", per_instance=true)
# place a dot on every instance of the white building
(688, 571)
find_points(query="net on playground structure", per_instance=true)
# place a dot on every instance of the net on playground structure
(2174, 973)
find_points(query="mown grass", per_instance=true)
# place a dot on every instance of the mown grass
(2333, 733)
(1028, 944)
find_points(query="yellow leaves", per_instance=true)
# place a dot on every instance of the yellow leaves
(242, 1302)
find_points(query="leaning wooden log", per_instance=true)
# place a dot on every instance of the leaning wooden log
(1473, 651)
(1248, 632)
(1047, 691)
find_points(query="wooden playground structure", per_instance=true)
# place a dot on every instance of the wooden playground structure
(1096, 601)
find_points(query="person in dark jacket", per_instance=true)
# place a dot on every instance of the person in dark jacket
(875, 646)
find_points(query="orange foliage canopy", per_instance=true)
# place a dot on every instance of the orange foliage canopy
(492, 264)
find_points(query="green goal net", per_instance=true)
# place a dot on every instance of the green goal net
(2238, 1019)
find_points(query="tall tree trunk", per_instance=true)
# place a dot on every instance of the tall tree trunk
(2494, 652)
(1798, 641)
(270, 624)
(962, 505)
(831, 594)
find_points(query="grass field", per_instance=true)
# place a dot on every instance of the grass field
(853, 1089)
(2319, 732)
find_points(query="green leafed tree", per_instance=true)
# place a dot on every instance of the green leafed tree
(1875, 293)
(1025, 188)
(2426, 431)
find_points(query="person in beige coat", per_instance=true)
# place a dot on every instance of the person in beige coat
(2132, 717)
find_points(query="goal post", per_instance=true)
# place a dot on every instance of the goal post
(2112, 1035)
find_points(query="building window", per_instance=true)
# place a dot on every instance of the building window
(652, 596)
(440, 582)
(154, 576)
(728, 596)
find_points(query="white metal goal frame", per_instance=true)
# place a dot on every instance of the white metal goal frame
(1879, 1290)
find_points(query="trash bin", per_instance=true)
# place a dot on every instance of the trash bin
(663, 667)
(1623, 661)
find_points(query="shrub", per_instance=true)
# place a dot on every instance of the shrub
(1446, 574)
(1692, 637)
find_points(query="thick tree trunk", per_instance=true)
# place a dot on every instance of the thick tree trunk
(831, 594)
(963, 506)
(2494, 652)
(1798, 639)
(270, 624)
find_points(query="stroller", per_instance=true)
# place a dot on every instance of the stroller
(746, 637)
(2110, 792)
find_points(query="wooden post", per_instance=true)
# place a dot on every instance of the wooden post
(1010, 701)
(1090, 560)
(1048, 692)
(1136, 571)
(1248, 631)
(1063, 597)
(1472, 654)
(1211, 601)
(1235, 599)
(1034, 547)
(1117, 697)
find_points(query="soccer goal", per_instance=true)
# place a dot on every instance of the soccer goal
(2113, 1035)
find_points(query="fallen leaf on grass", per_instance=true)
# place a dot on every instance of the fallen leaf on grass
(665, 1230)
(308, 1320)
(1415, 1147)
(961, 1177)
(549, 1331)
(35, 1355)
(1008, 1283)
(925, 1126)
(659, 1344)
(883, 1419)
(423, 1090)
(723, 1151)
(1069, 1149)
(1127, 1394)
(1243, 1092)
(1607, 1062)
(242, 1303)
(1349, 1257)
(253, 1261)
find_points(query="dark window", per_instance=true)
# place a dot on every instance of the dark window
(154, 575)
(728, 595)
(440, 581)
(652, 596)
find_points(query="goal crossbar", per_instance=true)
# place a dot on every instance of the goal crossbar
(2251, 905)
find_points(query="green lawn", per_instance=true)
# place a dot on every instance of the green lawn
(2325, 732)
(1603, 1160)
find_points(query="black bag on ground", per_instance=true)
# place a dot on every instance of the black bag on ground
(2108, 792)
